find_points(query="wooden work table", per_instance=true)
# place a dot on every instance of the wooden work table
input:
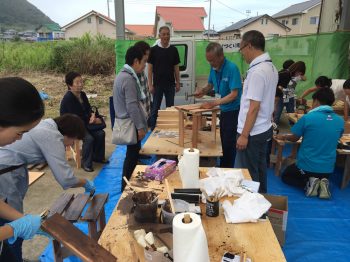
(258, 239)
(158, 144)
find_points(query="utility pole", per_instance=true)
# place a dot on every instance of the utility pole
(108, 8)
(209, 20)
(120, 19)
(345, 16)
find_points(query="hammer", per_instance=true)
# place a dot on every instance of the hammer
(187, 96)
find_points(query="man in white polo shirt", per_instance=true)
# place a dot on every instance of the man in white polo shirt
(257, 105)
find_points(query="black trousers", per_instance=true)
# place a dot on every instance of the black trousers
(169, 93)
(228, 133)
(93, 148)
(296, 177)
(132, 154)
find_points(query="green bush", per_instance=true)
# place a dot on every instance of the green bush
(87, 55)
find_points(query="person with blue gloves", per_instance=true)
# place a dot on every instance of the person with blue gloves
(21, 109)
(44, 143)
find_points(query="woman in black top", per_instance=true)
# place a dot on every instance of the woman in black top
(287, 80)
(76, 102)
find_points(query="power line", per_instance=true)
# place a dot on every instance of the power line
(229, 7)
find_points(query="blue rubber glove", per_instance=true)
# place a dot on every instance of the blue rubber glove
(89, 186)
(24, 227)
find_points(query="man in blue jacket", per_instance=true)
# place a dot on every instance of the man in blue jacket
(226, 80)
(320, 129)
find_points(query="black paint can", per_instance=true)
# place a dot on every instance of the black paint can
(212, 208)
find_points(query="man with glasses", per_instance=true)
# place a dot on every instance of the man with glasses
(163, 73)
(226, 80)
(257, 105)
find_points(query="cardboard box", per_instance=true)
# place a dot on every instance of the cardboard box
(278, 215)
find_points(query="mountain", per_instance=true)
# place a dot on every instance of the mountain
(21, 15)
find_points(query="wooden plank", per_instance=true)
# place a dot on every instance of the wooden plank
(258, 239)
(181, 128)
(61, 203)
(346, 174)
(168, 113)
(76, 207)
(213, 125)
(168, 126)
(95, 208)
(41, 166)
(34, 176)
(76, 241)
(156, 145)
(195, 130)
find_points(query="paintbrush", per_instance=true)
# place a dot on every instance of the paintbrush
(128, 183)
(150, 240)
(169, 196)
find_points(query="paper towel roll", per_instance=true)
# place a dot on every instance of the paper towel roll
(189, 240)
(189, 168)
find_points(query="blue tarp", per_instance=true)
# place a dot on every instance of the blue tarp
(317, 230)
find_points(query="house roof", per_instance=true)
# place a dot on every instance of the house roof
(297, 8)
(183, 18)
(141, 30)
(49, 27)
(211, 32)
(106, 18)
(244, 22)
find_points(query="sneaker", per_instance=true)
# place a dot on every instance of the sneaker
(324, 189)
(312, 187)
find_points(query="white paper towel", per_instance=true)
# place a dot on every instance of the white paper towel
(189, 240)
(189, 168)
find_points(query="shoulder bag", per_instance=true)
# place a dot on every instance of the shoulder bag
(124, 132)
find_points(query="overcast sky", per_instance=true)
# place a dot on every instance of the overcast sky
(223, 12)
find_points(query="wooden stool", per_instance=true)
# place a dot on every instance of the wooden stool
(277, 157)
(74, 152)
(196, 112)
(71, 206)
(70, 240)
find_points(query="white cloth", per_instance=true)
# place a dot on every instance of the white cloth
(44, 143)
(337, 87)
(260, 85)
(248, 208)
(218, 179)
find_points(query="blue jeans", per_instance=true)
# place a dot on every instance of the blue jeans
(169, 93)
(11, 253)
(280, 105)
(228, 133)
(254, 158)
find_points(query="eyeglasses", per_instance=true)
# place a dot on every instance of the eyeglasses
(240, 50)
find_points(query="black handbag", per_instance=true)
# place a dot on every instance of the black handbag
(96, 127)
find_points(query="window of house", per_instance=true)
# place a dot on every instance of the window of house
(262, 21)
(266, 21)
(314, 20)
(283, 22)
(295, 21)
(89, 20)
(100, 20)
(182, 49)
